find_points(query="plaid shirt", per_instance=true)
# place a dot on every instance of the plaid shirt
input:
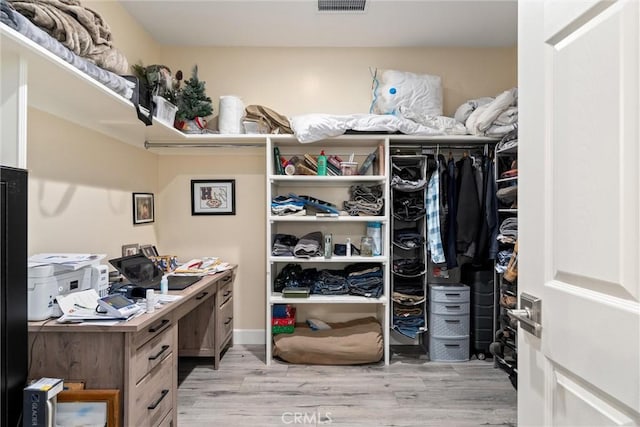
(433, 219)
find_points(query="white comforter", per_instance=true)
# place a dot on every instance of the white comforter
(315, 127)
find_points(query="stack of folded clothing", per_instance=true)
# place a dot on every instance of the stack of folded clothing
(309, 245)
(283, 205)
(408, 267)
(409, 206)
(408, 306)
(365, 280)
(283, 245)
(365, 200)
(408, 238)
(508, 230)
(407, 178)
(330, 282)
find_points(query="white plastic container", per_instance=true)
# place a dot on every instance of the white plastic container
(165, 111)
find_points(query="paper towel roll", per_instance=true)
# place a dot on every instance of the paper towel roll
(231, 114)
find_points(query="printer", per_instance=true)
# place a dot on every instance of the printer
(46, 281)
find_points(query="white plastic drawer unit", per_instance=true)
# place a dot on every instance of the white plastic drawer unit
(449, 293)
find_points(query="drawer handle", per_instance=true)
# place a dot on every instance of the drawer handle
(157, 328)
(164, 348)
(453, 307)
(452, 345)
(229, 320)
(157, 402)
(226, 279)
(453, 295)
(226, 294)
(202, 295)
(451, 321)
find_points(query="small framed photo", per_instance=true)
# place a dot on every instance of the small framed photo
(148, 251)
(143, 211)
(130, 249)
(213, 197)
(88, 407)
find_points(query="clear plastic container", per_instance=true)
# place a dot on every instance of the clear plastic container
(366, 246)
(349, 168)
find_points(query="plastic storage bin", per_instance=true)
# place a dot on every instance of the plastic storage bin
(443, 349)
(164, 111)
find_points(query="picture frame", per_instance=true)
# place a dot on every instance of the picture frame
(148, 251)
(130, 249)
(88, 407)
(143, 208)
(213, 197)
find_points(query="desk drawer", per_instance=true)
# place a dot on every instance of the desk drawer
(195, 301)
(168, 420)
(225, 320)
(153, 396)
(153, 352)
(161, 324)
(225, 289)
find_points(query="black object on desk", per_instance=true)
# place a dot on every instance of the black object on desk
(142, 272)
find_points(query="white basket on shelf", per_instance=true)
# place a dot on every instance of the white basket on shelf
(164, 111)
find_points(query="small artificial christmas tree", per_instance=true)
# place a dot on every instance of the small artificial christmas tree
(192, 101)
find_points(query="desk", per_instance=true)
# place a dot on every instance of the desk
(140, 357)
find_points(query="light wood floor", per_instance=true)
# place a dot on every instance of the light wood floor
(409, 392)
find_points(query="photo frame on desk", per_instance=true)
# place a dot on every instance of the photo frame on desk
(88, 407)
(149, 251)
(143, 209)
(213, 197)
(130, 249)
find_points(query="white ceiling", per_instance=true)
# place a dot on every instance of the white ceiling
(297, 23)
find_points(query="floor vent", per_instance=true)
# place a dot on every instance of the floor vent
(341, 5)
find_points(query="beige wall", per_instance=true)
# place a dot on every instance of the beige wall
(81, 182)
(337, 81)
(80, 186)
(238, 239)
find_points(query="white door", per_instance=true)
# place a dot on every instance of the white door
(579, 204)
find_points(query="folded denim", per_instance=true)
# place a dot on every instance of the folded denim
(372, 289)
(365, 200)
(408, 266)
(408, 299)
(330, 282)
(408, 238)
(408, 326)
(407, 185)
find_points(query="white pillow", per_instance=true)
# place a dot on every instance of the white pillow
(413, 92)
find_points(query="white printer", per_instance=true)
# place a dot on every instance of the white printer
(46, 281)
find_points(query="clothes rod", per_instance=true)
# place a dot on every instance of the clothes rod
(149, 145)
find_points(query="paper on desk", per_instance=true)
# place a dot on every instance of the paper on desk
(81, 306)
(66, 260)
(198, 267)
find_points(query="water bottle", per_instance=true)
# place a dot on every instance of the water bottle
(164, 285)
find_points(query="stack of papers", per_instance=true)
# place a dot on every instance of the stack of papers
(199, 267)
(65, 261)
(81, 306)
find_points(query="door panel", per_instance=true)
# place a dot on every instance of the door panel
(588, 409)
(580, 201)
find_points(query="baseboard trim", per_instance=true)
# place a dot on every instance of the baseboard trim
(249, 336)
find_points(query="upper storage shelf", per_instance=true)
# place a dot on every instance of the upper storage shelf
(58, 88)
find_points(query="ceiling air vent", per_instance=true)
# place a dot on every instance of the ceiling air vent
(341, 5)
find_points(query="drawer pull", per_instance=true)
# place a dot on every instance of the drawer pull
(162, 350)
(453, 307)
(226, 294)
(157, 402)
(157, 328)
(202, 295)
(229, 320)
(452, 295)
(226, 279)
(452, 345)
(451, 321)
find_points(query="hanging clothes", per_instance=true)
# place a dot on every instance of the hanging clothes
(468, 212)
(434, 240)
(452, 201)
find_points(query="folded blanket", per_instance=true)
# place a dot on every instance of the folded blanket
(80, 29)
(25, 27)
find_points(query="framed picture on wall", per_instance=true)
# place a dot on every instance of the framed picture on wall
(213, 197)
(143, 211)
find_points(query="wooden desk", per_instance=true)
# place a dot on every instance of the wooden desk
(139, 357)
